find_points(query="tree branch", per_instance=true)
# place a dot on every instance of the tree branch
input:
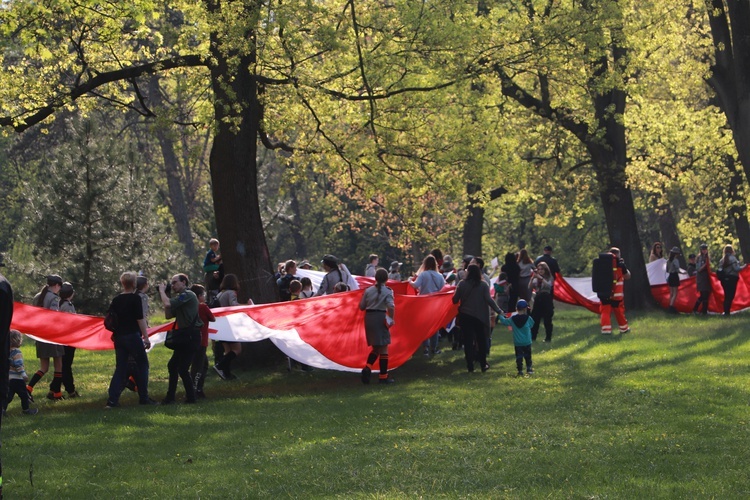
(22, 122)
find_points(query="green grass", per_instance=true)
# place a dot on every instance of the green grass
(661, 412)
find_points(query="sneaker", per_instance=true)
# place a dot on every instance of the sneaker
(111, 405)
(437, 351)
(149, 402)
(519, 374)
(366, 371)
(31, 411)
(626, 331)
(427, 353)
(485, 367)
(386, 381)
(220, 372)
(530, 371)
(547, 341)
(74, 394)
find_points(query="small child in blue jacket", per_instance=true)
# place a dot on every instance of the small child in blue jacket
(521, 324)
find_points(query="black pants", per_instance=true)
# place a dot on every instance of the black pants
(179, 366)
(17, 386)
(67, 370)
(475, 340)
(730, 289)
(544, 309)
(199, 368)
(523, 352)
(702, 302)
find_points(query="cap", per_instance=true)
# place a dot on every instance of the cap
(703, 245)
(331, 260)
(675, 250)
(522, 304)
(395, 264)
(54, 279)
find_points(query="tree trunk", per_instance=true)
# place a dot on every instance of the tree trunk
(472, 234)
(300, 244)
(738, 208)
(175, 194)
(234, 170)
(668, 229)
(730, 72)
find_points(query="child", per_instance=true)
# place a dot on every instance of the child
(199, 365)
(521, 325)
(295, 287)
(307, 289)
(502, 291)
(17, 376)
(213, 267)
(395, 273)
(66, 305)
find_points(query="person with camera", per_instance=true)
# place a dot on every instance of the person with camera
(131, 339)
(183, 306)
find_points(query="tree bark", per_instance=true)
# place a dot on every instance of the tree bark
(738, 209)
(178, 206)
(730, 72)
(234, 169)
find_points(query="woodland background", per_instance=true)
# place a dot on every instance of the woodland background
(134, 131)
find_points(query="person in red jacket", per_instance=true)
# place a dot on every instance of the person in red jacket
(616, 301)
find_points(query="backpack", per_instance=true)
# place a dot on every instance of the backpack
(216, 301)
(602, 275)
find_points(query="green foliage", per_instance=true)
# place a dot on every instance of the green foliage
(660, 412)
(90, 214)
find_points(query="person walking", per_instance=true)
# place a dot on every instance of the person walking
(614, 301)
(184, 308)
(130, 337)
(702, 279)
(544, 307)
(48, 298)
(729, 270)
(473, 296)
(379, 307)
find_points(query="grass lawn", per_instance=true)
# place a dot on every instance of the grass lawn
(661, 412)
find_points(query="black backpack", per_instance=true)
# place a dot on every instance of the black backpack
(602, 275)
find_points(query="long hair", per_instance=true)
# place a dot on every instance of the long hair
(52, 280)
(523, 257)
(672, 255)
(473, 274)
(429, 263)
(230, 282)
(542, 266)
(381, 276)
(657, 249)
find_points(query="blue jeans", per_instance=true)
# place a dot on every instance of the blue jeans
(129, 345)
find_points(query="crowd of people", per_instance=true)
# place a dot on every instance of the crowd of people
(523, 286)
(728, 269)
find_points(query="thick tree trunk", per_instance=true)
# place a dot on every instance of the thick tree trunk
(738, 209)
(730, 79)
(234, 172)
